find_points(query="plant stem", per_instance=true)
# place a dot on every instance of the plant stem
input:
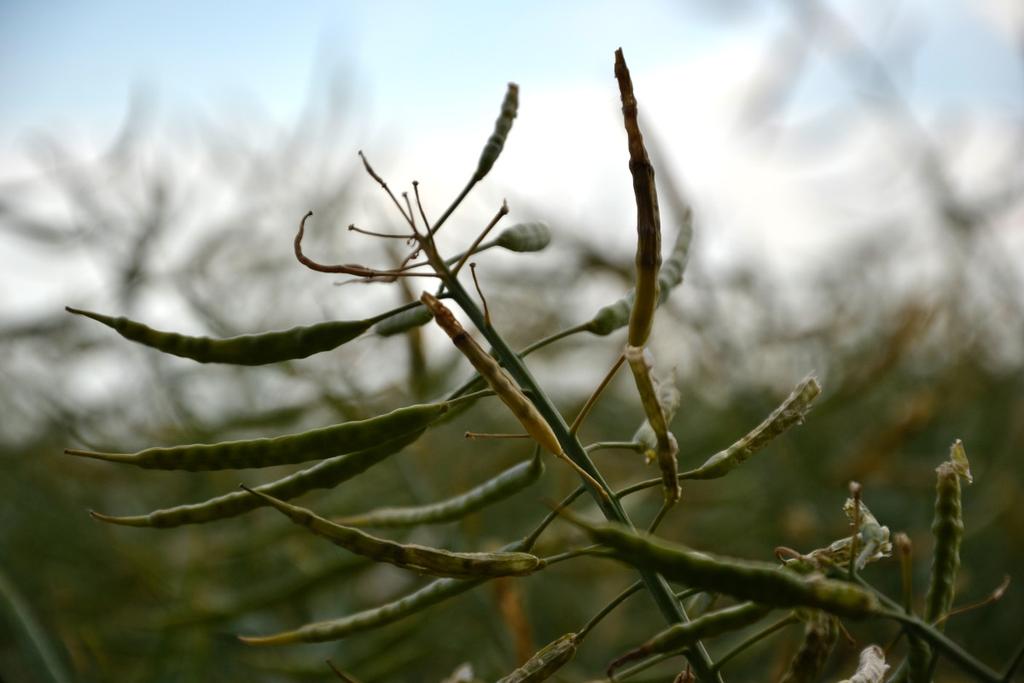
(763, 633)
(634, 446)
(606, 610)
(660, 591)
(936, 638)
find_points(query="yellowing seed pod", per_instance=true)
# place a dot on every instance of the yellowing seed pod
(504, 387)
(668, 397)
(546, 661)
(641, 364)
(496, 377)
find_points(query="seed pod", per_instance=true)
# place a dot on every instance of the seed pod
(316, 444)
(743, 579)
(687, 633)
(641, 363)
(616, 315)
(403, 322)
(410, 556)
(611, 317)
(525, 237)
(247, 349)
(505, 388)
(648, 221)
(948, 530)
(434, 592)
(671, 274)
(821, 632)
(496, 377)
(498, 488)
(871, 668)
(324, 475)
(791, 412)
(502, 126)
(668, 397)
(545, 661)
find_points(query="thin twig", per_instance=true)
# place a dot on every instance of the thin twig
(483, 299)
(585, 410)
(347, 269)
(502, 212)
(380, 181)
(607, 609)
(755, 637)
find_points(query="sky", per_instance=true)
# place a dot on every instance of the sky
(75, 63)
(427, 78)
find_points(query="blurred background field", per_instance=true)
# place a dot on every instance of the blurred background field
(855, 175)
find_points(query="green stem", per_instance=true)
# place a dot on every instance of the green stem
(936, 638)
(606, 610)
(610, 507)
(953, 652)
(1014, 663)
(22, 615)
(634, 446)
(570, 554)
(754, 638)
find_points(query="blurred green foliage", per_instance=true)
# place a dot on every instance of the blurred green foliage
(905, 370)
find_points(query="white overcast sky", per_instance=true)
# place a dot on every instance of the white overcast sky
(427, 78)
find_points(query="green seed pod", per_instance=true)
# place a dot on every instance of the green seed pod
(948, 530)
(919, 660)
(791, 412)
(315, 444)
(248, 349)
(671, 274)
(525, 237)
(498, 488)
(404, 321)
(612, 317)
(546, 661)
(502, 126)
(687, 633)
(410, 556)
(821, 632)
(615, 316)
(743, 579)
(324, 475)
(433, 593)
(871, 668)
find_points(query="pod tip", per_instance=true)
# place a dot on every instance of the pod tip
(96, 455)
(121, 521)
